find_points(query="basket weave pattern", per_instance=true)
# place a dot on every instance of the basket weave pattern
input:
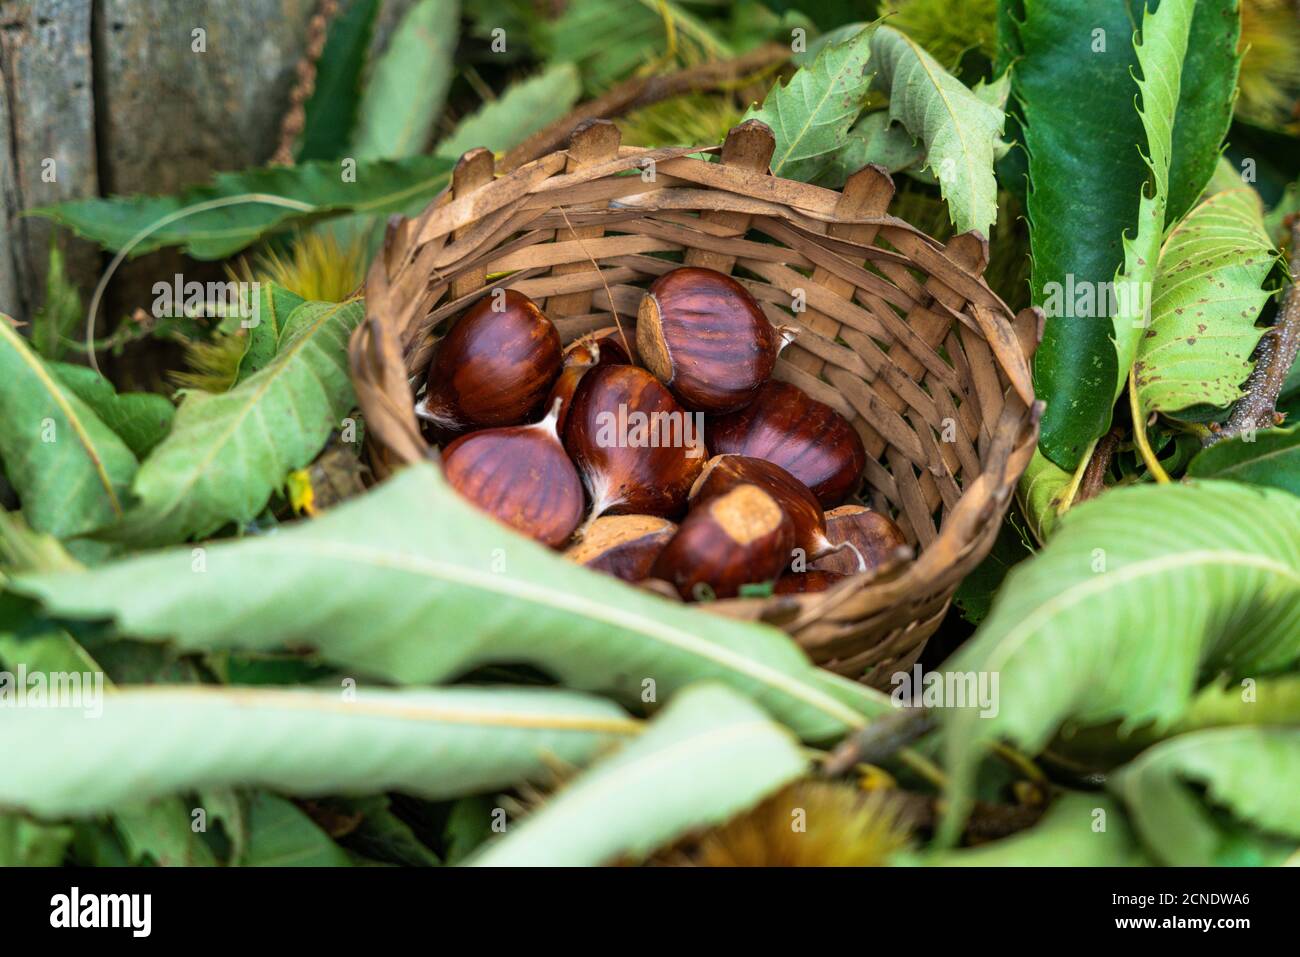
(897, 332)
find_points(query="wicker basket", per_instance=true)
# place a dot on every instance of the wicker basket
(914, 348)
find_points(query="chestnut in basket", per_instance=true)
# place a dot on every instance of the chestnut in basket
(624, 546)
(875, 537)
(724, 472)
(493, 368)
(702, 334)
(807, 438)
(637, 450)
(799, 583)
(735, 538)
(581, 355)
(522, 476)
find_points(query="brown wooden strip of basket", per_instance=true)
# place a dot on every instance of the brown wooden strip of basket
(474, 171)
(591, 143)
(747, 153)
(868, 191)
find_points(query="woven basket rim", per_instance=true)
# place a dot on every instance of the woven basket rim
(434, 265)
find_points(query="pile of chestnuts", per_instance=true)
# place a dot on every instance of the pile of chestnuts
(602, 449)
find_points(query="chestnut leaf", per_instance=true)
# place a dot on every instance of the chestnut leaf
(961, 130)
(410, 583)
(151, 742)
(1207, 295)
(71, 471)
(1252, 772)
(1067, 836)
(709, 755)
(1141, 596)
(227, 452)
(811, 114)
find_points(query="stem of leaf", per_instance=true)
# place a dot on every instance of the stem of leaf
(1140, 433)
(1072, 489)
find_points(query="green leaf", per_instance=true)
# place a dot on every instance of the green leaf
(161, 833)
(275, 305)
(140, 419)
(331, 112)
(522, 110)
(71, 471)
(163, 740)
(280, 835)
(1160, 52)
(469, 824)
(1270, 457)
(382, 835)
(411, 584)
(1041, 491)
(874, 139)
(1141, 595)
(1253, 773)
(60, 313)
(1074, 84)
(27, 843)
(408, 84)
(1078, 830)
(1207, 296)
(237, 209)
(811, 115)
(960, 129)
(227, 452)
(708, 756)
(974, 596)
(608, 47)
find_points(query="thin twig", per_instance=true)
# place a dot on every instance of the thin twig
(1274, 357)
(643, 91)
(295, 119)
(1094, 476)
(880, 740)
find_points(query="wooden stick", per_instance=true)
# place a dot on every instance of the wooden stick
(1274, 357)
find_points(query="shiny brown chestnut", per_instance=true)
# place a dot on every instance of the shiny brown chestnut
(618, 346)
(733, 539)
(800, 583)
(624, 546)
(637, 450)
(702, 334)
(724, 472)
(521, 476)
(493, 368)
(807, 438)
(581, 355)
(875, 537)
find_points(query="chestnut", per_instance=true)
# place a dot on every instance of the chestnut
(493, 368)
(581, 355)
(637, 450)
(724, 472)
(807, 438)
(702, 334)
(624, 546)
(799, 583)
(733, 539)
(617, 345)
(875, 537)
(521, 476)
